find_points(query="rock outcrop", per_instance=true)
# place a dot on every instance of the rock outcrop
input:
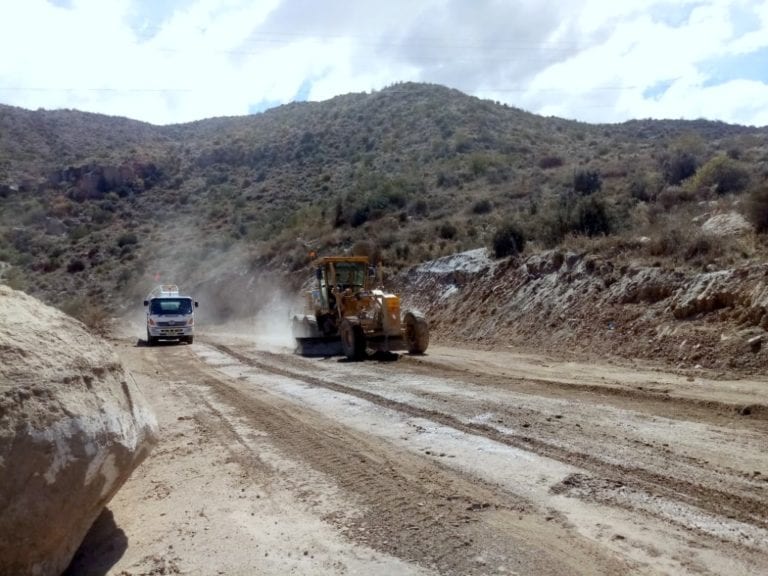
(73, 426)
(584, 304)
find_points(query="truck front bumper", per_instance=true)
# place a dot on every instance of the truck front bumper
(170, 331)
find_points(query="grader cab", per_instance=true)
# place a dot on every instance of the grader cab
(346, 312)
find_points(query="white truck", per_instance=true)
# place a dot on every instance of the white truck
(170, 316)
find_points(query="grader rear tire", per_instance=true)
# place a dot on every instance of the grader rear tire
(352, 340)
(416, 333)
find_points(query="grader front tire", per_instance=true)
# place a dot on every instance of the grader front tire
(416, 333)
(352, 340)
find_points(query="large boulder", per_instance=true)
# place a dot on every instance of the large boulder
(73, 426)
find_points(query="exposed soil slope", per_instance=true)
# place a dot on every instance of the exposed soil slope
(581, 305)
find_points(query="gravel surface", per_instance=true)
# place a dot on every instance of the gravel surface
(456, 462)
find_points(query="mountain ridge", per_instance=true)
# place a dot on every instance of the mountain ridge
(95, 205)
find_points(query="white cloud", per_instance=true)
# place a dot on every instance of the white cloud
(181, 60)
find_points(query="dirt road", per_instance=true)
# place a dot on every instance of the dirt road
(457, 462)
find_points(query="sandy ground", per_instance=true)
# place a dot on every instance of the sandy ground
(456, 462)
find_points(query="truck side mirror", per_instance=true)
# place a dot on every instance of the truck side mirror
(196, 304)
(319, 273)
(146, 302)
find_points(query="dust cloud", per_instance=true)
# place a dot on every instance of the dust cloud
(235, 296)
(269, 329)
(251, 308)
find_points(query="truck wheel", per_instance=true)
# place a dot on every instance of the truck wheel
(416, 332)
(150, 340)
(352, 340)
(189, 339)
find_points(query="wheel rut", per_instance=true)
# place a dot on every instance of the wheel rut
(751, 510)
(403, 504)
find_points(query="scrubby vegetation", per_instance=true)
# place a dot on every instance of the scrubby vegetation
(96, 205)
(509, 240)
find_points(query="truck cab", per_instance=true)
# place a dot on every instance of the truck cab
(170, 316)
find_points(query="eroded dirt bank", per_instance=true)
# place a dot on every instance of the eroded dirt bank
(451, 463)
(587, 306)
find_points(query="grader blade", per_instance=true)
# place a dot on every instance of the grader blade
(319, 347)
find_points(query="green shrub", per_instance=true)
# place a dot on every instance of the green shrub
(127, 239)
(420, 208)
(678, 166)
(479, 164)
(359, 216)
(587, 182)
(482, 207)
(644, 187)
(547, 162)
(509, 240)
(590, 218)
(75, 265)
(723, 174)
(448, 231)
(445, 180)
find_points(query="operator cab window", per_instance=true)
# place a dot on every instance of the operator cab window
(350, 275)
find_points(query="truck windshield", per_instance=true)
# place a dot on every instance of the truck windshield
(162, 306)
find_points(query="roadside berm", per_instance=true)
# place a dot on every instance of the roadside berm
(73, 426)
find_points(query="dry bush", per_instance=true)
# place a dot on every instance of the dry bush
(682, 241)
(673, 196)
(756, 209)
(367, 248)
(91, 313)
(612, 247)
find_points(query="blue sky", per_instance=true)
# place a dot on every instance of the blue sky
(168, 61)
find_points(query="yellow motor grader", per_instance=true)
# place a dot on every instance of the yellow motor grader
(346, 312)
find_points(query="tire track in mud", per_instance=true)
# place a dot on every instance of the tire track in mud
(412, 508)
(749, 510)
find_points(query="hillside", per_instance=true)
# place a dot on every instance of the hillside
(94, 209)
